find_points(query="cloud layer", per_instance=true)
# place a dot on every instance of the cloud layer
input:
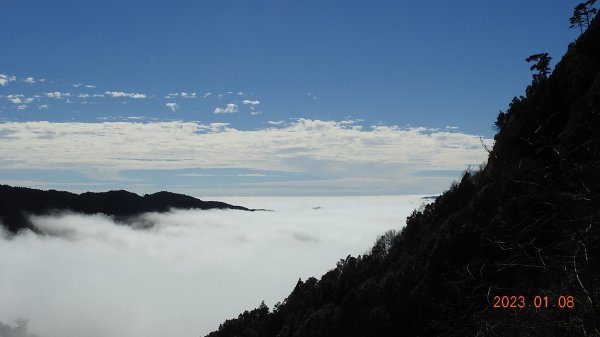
(91, 277)
(334, 153)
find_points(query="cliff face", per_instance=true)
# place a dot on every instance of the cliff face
(526, 224)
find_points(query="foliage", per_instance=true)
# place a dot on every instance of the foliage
(383, 244)
(541, 65)
(583, 14)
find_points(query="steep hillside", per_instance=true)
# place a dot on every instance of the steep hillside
(16, 203)
(527, 224)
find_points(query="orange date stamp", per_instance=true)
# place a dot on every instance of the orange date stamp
(537, 302)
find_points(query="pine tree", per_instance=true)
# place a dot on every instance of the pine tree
(583, 14)
(542, 66)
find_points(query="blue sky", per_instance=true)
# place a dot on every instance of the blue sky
(251, 66)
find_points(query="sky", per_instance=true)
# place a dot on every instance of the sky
(89, 276)
(265, 97)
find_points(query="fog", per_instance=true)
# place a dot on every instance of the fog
(180, 273)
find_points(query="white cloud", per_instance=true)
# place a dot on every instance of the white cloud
(117, 94)
(182, 94)
(230, 108)
(32, 80)
(256, 113)
(5, 79)
(188, 94)
(172, 106)
(19, 99)
(22, 107)
(83, 85)
(83, 95)
(252, 175)
(380, 158)
(217, 127)
(208, 94)
(222, 175)
(43, 106)
(186, 274)
(249, 102)
(275, 122)
(58, 94)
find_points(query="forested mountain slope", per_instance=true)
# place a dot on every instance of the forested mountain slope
(527, 224)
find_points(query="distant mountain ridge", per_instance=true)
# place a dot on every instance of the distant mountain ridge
(17, 203)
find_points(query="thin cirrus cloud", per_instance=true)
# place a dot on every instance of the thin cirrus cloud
(336, 154)
(229, 108)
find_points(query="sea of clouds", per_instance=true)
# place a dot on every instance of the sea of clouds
(180, 273)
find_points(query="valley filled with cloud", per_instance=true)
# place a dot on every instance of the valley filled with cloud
(180, 273)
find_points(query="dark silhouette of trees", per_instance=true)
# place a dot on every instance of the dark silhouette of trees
(583, 14)
(541, 65)
(17, 203)
(384, 243)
